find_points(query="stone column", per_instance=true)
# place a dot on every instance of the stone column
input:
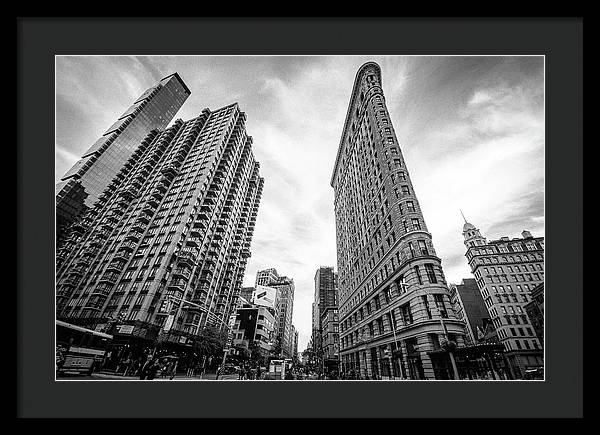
(368, 367)
(424, 347)
(404, 359)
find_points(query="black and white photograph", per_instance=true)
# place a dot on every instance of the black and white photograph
(327, 218)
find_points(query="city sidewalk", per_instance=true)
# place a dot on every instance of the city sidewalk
(179, 377)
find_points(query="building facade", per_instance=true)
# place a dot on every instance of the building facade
(327, 320)
(535, 311)
(507, 270)
(284, 306)
(82, 186)
(394, 304)
(254, 325)
(470, 308)
(266, 277)
(295, 346)
(170, 236)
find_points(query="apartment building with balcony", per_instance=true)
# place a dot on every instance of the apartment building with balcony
(170, 235)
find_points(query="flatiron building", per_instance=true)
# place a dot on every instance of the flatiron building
(394, 305)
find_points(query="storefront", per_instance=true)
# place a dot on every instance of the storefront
(479, 361)
(132, 343)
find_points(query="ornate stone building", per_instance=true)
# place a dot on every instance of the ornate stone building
(394, 304)
(507, 271)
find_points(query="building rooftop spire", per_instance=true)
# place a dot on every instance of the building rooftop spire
(463, 215)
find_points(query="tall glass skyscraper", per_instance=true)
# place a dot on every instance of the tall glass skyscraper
(83, 184)
(169, 238)
(394, 304)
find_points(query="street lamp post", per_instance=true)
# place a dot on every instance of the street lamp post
(449, 349)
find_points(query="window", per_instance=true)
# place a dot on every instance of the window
(406, 314)
(416, 224)
(430, 273)
(426, 303)
(420, 281)
(439, 303)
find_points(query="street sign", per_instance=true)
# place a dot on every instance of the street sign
(169, 322)
(124, 329)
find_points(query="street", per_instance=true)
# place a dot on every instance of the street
(103, 376)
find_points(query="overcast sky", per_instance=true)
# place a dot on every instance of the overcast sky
(471, 130)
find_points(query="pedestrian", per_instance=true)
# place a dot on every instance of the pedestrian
(173, 370)
(153, 369)
(144, 370)
(258, 373)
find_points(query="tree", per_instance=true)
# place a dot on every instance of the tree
(276, 349)
(257, 354)
(210, 341)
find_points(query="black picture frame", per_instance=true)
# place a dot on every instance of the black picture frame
(560, 40)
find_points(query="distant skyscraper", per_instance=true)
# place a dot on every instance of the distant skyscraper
(326, 326)
(507, 271)
(266, 277)
(83, 184)
(470, 307)
(392, 290)
(176, 221)
(285, 306)
(295, 347)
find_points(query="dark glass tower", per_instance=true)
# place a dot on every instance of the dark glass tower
(83, 184)
(394, 303)
(177, 220)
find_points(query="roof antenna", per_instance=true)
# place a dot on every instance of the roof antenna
(463, 215)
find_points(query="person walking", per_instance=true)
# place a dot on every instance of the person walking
(144, 369)
(153, 369)
(258, 373)
(173, 370)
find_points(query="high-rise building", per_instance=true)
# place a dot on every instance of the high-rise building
(327, 323)
(285, 306)
(394, 304)
(470, 308)
(85, 182)
(170, 236)
(295, 346)
(507, 270)
(266, 277)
